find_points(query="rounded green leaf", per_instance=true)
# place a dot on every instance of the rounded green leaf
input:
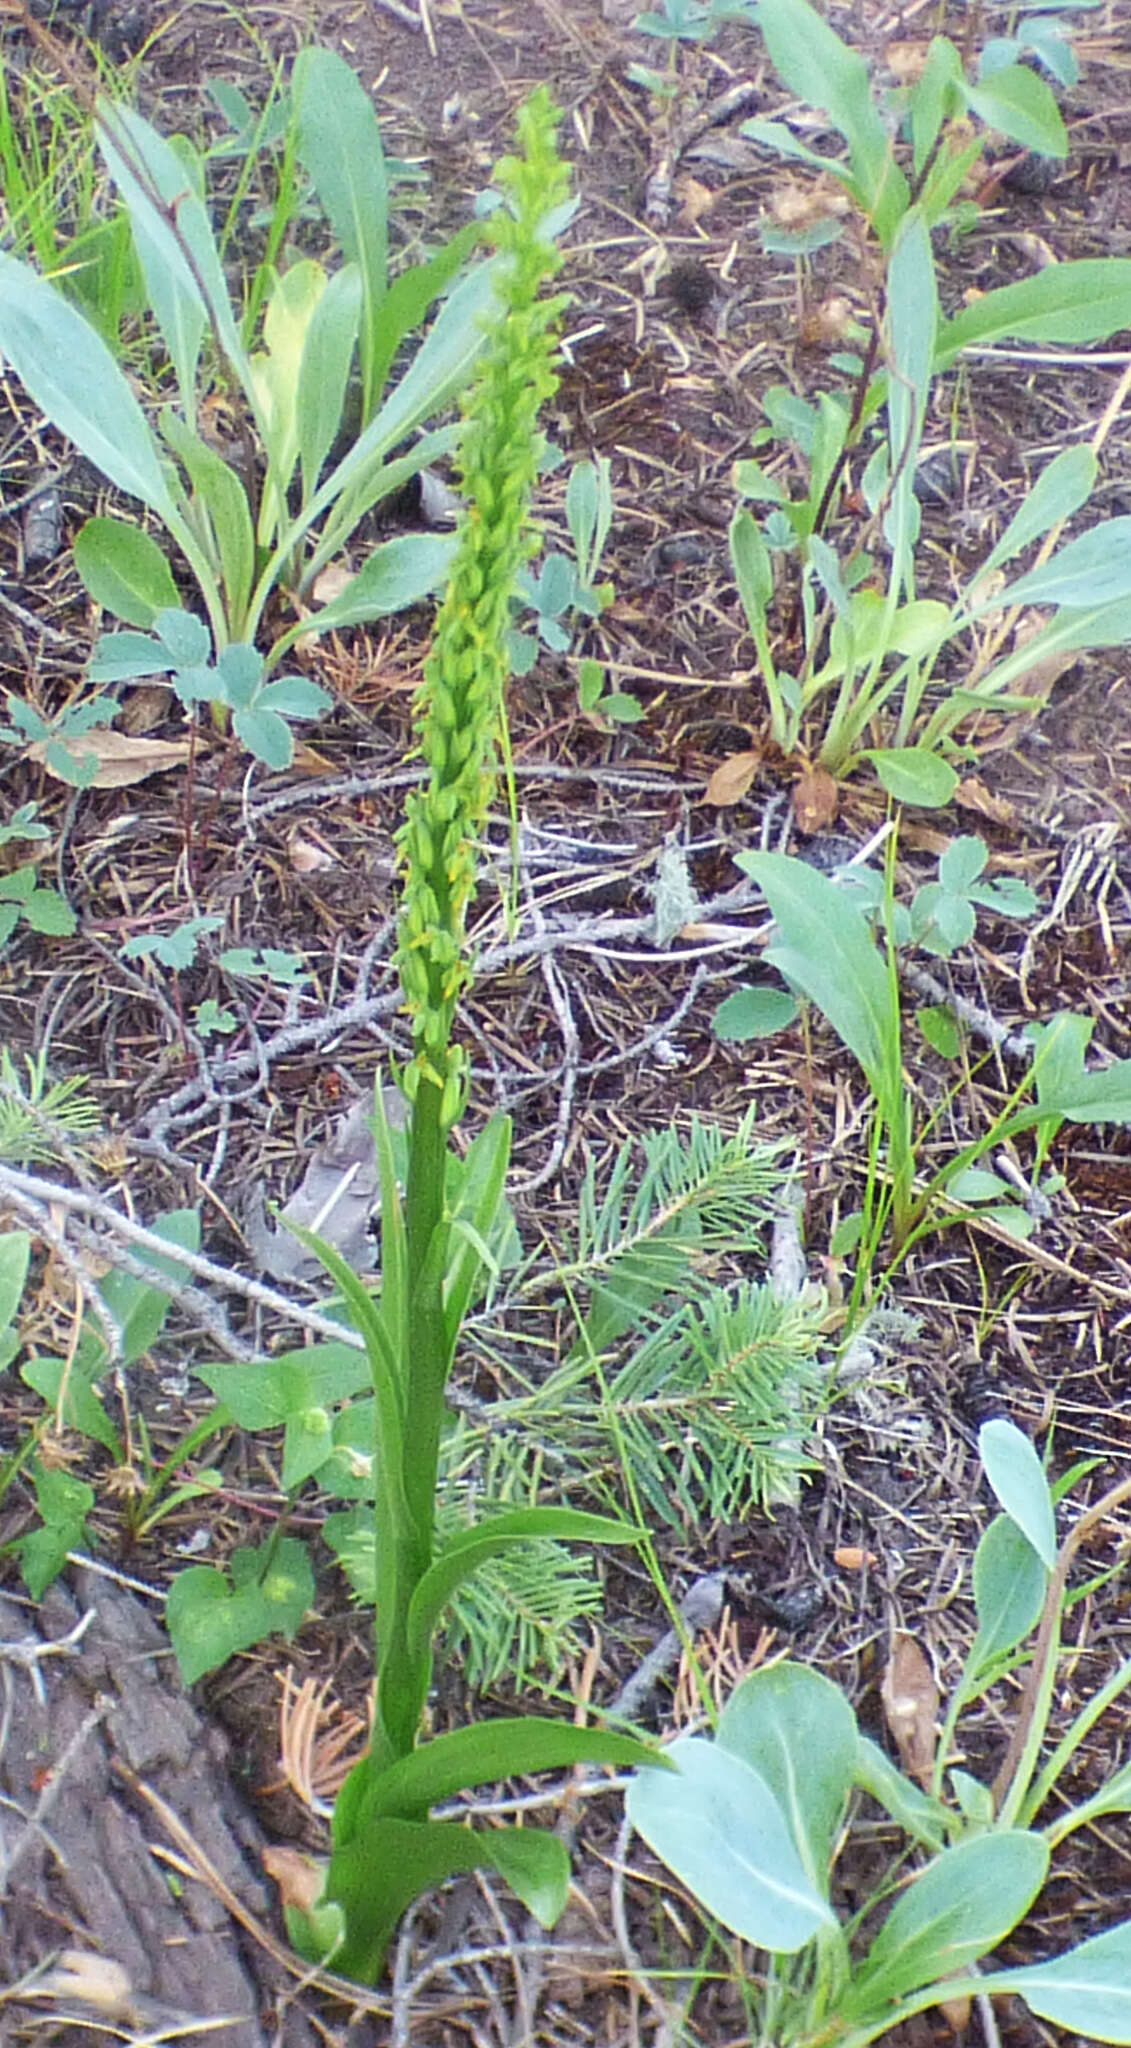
(125, 571)
(754, 1013)
(1017, 1478)
(1009, 1592)
(797, 1729)
(718, 1826)
(913, 775)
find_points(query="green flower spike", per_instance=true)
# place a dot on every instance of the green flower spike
(460, 705)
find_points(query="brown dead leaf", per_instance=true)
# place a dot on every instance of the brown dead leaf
(309, 855)
(121, 759)
(331, 581)
(733, 777)
(145, 707)
(905, 60)
(911, 1701)
(799, 203)
(816, 800)
(829, 324)
(694, 199)
(972, 795)
(299, 1878)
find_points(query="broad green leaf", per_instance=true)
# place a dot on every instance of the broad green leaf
(815, 64)
(937, 1024)
(82, 1408)
(825, 950)
(441, 365)
(1063, 485)
(914, 775)
(339, 143)
(324, 372)
(1017, 1477)
(1094, 569)
(140, 1307)
(1067, 304)
(1087, 1991)
(487, 1753)
(396, 574)
(1010, 1582)
(123, 657)
(936, 96)
(237, 677)
(380, 1872)
(753, 569)
(1020, 105)
(753, 1013)
(481, 1200)
(275, 374)
(224, 501)
(15, 1251)
(797, 1729)
(69, 372)
(47, 912)
(280, 1387)
(184, 275)
(124, 570)
(1100, 1097)
(210, 1616)
(185, 636)
(64, 1503)
(409, 298)
(956, 1910)
(920, 1816)
(466, 1552)
(912, 320)
(719, 1828)
(294, 697)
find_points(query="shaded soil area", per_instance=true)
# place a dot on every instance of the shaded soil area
(583, 1023)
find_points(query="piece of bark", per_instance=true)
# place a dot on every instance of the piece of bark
(86, 1875)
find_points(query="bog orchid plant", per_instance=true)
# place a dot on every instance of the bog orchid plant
(385, 1847)
(759, 1814)
(851, 679)
(263, 518)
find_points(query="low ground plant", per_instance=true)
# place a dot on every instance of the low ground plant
(758, 1816)
(855, 663)
(825, 950)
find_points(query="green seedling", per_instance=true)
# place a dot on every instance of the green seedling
(23, 896)
(563, 592)
(828, 956)
(871, 651)
(271, 518)
(693, 21)
(1046, 35)
(236, 683)
(29, 728)
(72, 1390)
(756, 1816)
